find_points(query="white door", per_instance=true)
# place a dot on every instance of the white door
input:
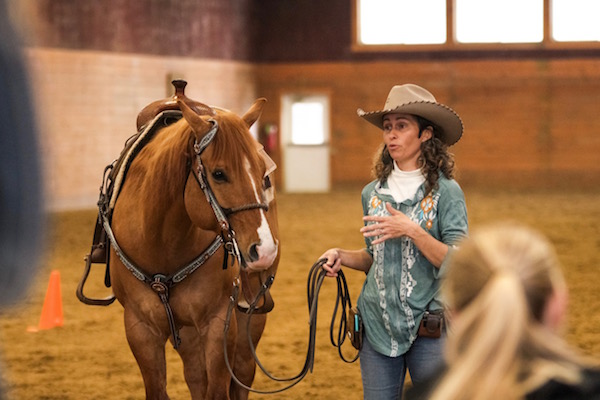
(305, 143)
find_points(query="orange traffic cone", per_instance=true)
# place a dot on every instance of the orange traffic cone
(52, 312)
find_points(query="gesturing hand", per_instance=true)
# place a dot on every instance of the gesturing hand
(393, 226)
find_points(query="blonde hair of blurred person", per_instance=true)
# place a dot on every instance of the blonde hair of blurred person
(508, 297)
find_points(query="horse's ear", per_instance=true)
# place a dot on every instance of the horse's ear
(198, 124)
(254, 112)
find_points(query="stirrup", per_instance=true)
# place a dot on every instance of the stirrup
(83, 298)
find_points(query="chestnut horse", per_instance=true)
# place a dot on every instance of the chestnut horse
(195, 216)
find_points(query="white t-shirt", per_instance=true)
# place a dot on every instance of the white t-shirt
(404, 184)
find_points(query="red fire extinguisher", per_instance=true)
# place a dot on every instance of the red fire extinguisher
(271, 137)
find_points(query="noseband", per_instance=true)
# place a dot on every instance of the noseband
(252, 206)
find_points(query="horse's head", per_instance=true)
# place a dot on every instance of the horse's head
(236, 170)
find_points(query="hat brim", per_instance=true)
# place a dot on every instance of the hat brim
(445, 118)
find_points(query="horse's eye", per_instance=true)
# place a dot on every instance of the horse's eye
(267, 183)
(219, 176)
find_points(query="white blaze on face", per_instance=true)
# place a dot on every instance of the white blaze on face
(267, 248)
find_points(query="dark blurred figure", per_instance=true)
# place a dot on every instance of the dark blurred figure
(21, 185)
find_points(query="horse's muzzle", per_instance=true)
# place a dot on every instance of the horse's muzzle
(260, 256)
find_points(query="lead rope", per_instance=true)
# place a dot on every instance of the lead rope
(316, 277)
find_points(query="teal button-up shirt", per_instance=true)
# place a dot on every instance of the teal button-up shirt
(401, 282)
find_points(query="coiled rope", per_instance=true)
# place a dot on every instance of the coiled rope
(343, 304)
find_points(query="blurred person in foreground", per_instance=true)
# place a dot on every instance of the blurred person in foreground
(21, 186)
(414, 213)
(21, 215)
(508, 297)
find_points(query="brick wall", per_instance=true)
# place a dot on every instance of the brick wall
(528, 123)
(88, 103)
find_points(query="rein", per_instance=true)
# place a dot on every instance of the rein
(316, 277)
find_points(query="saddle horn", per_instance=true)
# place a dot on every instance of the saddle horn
(156, 107)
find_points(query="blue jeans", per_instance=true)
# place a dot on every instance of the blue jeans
(383, 376)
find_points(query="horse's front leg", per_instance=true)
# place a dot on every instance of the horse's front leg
(219, 377)
(194, 362)
(206, 372)
(245, 366)
(148, 347)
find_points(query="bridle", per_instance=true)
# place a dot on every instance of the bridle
(221, 213)
(160, 283)
(228, 234)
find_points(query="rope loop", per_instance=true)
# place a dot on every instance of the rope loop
(343, 302)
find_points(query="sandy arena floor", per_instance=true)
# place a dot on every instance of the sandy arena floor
(88, 358)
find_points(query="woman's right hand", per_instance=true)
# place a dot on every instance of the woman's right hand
(333, 263)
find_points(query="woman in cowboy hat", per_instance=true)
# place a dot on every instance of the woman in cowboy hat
(414, 213)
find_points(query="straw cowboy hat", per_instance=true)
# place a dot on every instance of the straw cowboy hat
(413, 99)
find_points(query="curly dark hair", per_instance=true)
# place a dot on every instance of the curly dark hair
(434, 158)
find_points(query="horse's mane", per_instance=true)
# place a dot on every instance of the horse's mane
(169, 154)
(165, 159)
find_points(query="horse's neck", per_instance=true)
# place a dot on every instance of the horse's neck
(152, 205)
(169, 238)
(166, 214)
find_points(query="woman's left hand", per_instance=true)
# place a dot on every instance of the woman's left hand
(393, 226)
